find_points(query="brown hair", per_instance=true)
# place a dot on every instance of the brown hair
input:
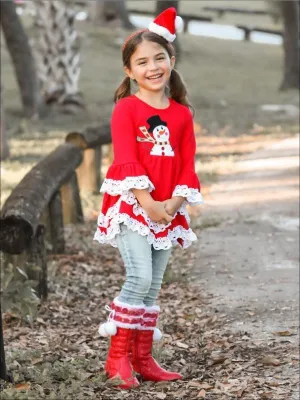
(178, 91)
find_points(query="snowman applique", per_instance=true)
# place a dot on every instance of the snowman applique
(161, 134)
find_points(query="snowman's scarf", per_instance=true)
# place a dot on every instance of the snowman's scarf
(149, 138)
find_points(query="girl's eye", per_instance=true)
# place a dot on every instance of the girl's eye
(161, 58)
(142, 63)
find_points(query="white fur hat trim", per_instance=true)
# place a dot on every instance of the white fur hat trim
(161, 31)
(178, 24)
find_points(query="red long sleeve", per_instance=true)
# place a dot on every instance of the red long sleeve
(126, 172)
(188, 184)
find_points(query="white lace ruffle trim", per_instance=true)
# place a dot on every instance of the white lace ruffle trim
(119, 187)
(113, 218)
(193, 196)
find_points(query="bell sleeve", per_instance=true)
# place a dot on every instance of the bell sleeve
(126, 172)
(188, 184)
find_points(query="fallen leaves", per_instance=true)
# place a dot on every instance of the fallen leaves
(233, 386)
(199, 385)
(64, 357)
(266, 395)
(285, 333)
(37, 361)
(182, 345)
(22, 386)
(270, 360)
(202, 394)
(160, 396)
(217, 358)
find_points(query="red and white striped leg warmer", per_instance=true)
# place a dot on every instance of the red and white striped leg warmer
(121, 315)
(149, 321)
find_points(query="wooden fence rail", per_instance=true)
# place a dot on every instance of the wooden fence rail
(187, 18)
(47, 198)
(223, 10)
(247, 29)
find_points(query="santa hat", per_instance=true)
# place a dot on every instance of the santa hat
(166, 24)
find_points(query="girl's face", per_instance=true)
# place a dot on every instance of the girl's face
(150, 66)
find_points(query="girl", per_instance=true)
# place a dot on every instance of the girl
(147, 188)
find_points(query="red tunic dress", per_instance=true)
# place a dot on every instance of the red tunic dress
(154, 149)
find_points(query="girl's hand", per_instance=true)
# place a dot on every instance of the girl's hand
(172, 205)
(156, 211)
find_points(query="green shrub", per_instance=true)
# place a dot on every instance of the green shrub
(18, 294)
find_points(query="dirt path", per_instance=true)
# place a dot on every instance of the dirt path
(229, 303)
(249, 262)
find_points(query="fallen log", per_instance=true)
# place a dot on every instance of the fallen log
(23, 209)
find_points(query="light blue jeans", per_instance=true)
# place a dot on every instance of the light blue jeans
(145, 268)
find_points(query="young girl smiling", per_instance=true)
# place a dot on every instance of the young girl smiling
(146, 191)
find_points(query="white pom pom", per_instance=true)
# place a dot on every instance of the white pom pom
(178, 24)
(157, 335)
(107, 329)
(110, 328)
(102, 331)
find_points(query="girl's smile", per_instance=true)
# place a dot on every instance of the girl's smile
(155, 77)
(150, 66)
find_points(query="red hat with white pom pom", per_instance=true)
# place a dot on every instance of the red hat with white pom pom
(167, 24)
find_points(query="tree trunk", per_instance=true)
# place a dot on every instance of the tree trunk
(4, 146)
(3, 372)
(107, 10)
(123, 15)
(96, 11)
(160, 7)
(290, 13)
(22, 58)
(57, 52)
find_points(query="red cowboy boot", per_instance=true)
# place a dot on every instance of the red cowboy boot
(142, 360)
(121, 325)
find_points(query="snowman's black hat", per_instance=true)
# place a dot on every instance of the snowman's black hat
(155, 121)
